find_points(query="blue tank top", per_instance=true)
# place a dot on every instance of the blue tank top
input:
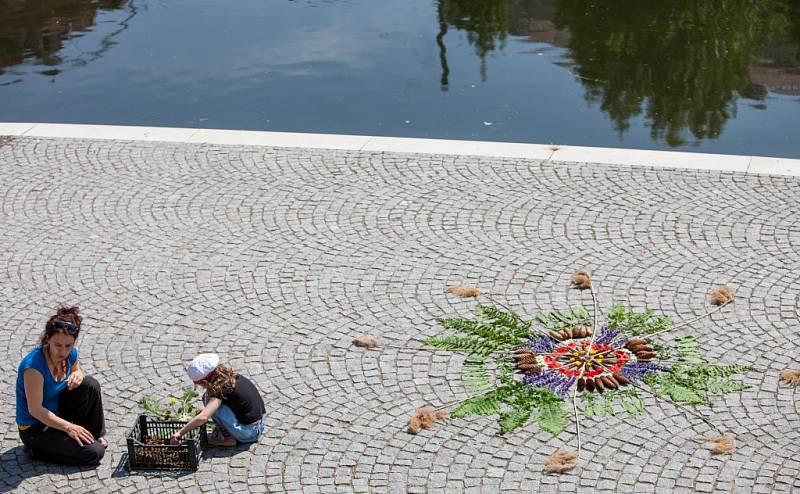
(52, 388)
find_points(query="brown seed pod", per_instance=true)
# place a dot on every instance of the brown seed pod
(529, 368)
(646, 355)
(598, 383)
(556, 335)
(622, 380)
(635, 341)
(528, 359)
(579, 332)
(590, 384)
(522, 351)
(569, 333)
(581, 384)
(610, 382)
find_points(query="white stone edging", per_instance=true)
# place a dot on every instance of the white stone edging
(561, 153)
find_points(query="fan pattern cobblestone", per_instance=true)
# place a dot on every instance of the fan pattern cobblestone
(277, 258)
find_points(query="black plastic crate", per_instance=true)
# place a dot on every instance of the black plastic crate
(183, 456)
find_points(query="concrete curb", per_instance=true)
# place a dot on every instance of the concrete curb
(616, 156)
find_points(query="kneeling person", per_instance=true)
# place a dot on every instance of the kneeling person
(231, 401)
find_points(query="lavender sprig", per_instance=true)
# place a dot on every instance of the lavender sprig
(636, 371)
(541, 344)
(607, 335)
(556, 382)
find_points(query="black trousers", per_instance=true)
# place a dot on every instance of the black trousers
(82, 406)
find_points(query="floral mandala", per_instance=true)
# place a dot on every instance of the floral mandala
(527, 370)
(569, 357)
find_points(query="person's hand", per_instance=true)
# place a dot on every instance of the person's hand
(75, 379)
(80, 435)
(175, 439)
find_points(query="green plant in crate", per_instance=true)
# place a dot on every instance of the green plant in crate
(183, 408)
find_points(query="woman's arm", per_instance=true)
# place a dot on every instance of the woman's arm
(34, 384)
(75, 377)
(198, 420)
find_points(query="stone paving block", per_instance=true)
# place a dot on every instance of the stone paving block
(277, 258)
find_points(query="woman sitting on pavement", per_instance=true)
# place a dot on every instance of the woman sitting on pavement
(231, 400)
(59, 409)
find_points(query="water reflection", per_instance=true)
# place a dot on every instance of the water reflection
(484, 21)
(682, 64)
(38, 29)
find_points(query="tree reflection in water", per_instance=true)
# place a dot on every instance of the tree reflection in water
(37, 29)
(682, 64)
(485, 22)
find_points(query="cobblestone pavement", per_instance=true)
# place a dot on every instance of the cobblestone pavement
(278, 258)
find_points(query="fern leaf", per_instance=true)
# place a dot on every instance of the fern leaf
(556, 321)
(717, 370)
(496, 326)
(504, 322)
(485, 404)
(629, 322)
(632, 407)
(608, 404)
(721, 386)
(513, 419)
(683, 394)
(552, 417)
(474, 373)
(688, 350)
(464, 344)
(631, 402)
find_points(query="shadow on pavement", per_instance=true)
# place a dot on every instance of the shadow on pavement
(16, 465)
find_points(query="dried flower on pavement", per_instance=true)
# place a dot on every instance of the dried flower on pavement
(462, 291)
(581, 279)
(561, 461)
(366, 341)
(791, 377)
(722, 295)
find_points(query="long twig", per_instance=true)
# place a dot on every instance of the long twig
(583, 370)
(678, 405)
(577, 421)
(451, 403)
(690, 321)
(501, 304)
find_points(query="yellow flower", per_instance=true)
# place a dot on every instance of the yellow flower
(173, 400)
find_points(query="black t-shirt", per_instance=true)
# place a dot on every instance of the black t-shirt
(245, 401)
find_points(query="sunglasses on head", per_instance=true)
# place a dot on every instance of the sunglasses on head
(67, 326)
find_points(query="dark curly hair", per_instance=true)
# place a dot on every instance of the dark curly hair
(221, 382)
(64, 314)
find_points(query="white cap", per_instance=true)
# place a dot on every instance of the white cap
(201, 366)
